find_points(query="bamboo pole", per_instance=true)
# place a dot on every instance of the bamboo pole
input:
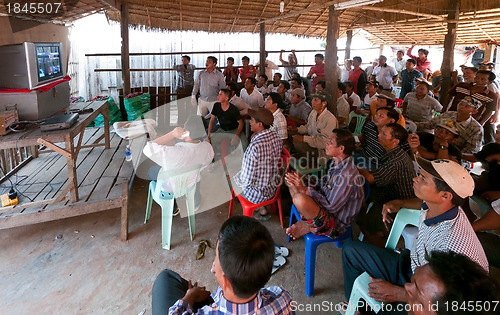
(331, 58)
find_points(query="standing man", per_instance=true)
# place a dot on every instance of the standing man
(317, 72)
(358, 77)
(423, 64)
(291, 64)
(399, 62)
(384, 74)
(408, 77)
(269, 66)
(185, 82)
(208, 83)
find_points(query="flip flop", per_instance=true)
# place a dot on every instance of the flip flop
(280, 251)
(278, 262)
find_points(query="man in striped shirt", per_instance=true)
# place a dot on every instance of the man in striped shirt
(242, 266)
(330, 207)
(442, 185)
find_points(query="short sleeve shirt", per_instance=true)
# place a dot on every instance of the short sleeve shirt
(228, 119)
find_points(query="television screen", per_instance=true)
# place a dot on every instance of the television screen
(49, 61)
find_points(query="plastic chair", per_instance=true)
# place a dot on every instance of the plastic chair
(312, 241)
(317, 171)
(180, 179)
(360, 121)
(360, 286)
(399, 102)
(249, 207)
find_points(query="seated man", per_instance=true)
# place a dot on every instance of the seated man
(471, 132)
(385, 99)
(300, 109)
(419, 105)
(330, 207)
(181, 148)
(242, 266)
(230, 121)
(273, 103)
(258, 178)
(352, 98)
(310, 142)
(436, 285)
(490, 241)
(342, 108)
(250, 95)
(261, 86)
(438, 145)
(282, 90)
(442, 185)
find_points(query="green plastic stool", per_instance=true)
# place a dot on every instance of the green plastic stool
(360, 121)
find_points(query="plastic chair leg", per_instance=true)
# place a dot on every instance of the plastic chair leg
(310, 264)
(360, 291)
(190, 210)
(280, 209)
(149, 204)
(167, 208)
(231, 204)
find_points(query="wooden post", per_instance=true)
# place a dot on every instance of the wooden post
(348, 45)
(331, 58)
(449, 47)
(125, 48)
(381, 49)
(489, 52)
(262, 67)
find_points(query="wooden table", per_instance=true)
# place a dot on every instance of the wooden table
(34, 136)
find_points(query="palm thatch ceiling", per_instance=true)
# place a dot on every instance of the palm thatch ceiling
(393, 22)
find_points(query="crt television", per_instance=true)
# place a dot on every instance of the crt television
(30, 65)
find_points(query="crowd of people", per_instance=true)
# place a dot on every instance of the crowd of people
(413, 151)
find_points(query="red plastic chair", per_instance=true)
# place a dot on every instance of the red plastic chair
(249, 208)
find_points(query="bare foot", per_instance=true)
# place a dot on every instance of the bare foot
(298, 230)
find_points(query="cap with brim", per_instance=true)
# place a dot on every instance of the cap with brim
(450, 126)
(471, 102)
(263, 115)
(387, 95)
(374, 83)
(321, 95)
(422, 80)
(451, 173)
(298, 92)
(490, 65)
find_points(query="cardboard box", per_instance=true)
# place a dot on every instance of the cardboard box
(6, 119)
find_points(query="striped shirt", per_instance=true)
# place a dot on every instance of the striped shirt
(470, 131)
(340, 192)
(269, 301)
(185, 75)
(395, 176)
(259, 174)
(450, 231)
(372, 148)
(279, 125)
(461, 90)
(423, 109)
(209, 85)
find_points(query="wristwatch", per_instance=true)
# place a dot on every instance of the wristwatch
(442, 147)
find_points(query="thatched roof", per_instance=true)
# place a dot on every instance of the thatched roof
(388, 22)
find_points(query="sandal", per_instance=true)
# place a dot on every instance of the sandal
(280, 251)
(278, 262)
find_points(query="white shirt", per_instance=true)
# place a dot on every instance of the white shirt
(356, 101)
(343, 109)
(368, 99)
(270, 66)
(263, 89)
(384, 75)
(255, 100)
(180, 155)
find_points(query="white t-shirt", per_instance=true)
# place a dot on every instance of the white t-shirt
(356, 101)
(384, 75)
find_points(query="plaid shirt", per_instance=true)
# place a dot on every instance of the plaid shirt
(279, 125)
(259, 175)
(471, 132)
(185, 75)
(341, 193)
(269, 301)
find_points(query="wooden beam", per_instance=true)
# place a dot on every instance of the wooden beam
(262, 64)
(384, 9)
(348, 44)
(449, 47)
(331, 58)
(125, 48)
(295, 13)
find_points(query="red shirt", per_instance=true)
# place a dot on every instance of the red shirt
(319, 70)
(354, 76)
(421, 64)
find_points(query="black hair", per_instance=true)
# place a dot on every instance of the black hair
(276, 99)
(345, 138)
(464, 280)
(296, 73)
(245, 58)
(264, 76)
(398, 132)
(187, 57)
(246, 254)
(491, 75)
(320, 56)
(227, 92)
(443, 186)
(358, 59)
(233, 87)
(424, 51)
(412, 61)
(473, 69)
(230, 59)
(322, 82)
(214, 59)
(391, 112)
(279, 74)
(349, 84)
(285, 84)
(252, 80)
(298, 80)
(341, 86)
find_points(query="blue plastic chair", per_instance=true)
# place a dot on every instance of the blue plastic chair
(360, 286)
(180, 179)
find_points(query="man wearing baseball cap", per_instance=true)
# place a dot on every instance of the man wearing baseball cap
(440, 189)
(258, 178)
(469, 129)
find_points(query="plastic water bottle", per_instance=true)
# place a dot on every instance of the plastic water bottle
(128, 154)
